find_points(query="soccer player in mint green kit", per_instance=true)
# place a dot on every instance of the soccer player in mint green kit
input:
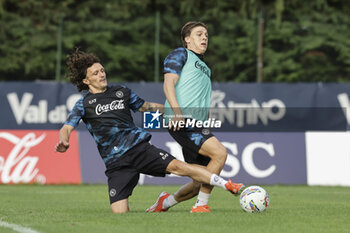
(187, 87)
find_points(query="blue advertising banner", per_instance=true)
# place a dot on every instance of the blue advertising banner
(281, 107)
(91, 163)
(265, 138)
(253, 158)
(245, 107)
(35, 105)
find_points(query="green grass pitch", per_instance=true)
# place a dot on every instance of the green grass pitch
(85, 208)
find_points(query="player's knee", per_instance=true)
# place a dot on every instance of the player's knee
(120, 207)
(178, 167)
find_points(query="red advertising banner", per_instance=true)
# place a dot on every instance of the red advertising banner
(28, 156)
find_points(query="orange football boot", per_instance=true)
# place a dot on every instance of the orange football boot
(200, 209)
(234, 188)
(158, 206)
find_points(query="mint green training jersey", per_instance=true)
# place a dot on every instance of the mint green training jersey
(193, 88)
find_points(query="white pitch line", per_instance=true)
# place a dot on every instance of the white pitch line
(17, 228)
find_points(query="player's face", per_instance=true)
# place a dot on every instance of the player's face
(96, 78)
(198, 40)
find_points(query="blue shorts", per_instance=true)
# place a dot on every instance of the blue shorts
(191, 140)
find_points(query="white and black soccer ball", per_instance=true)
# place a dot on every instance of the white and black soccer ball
(254, 199)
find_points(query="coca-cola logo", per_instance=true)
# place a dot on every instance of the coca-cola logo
(114, 105)
(19, 166)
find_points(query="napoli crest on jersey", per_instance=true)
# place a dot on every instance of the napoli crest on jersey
(119, 94)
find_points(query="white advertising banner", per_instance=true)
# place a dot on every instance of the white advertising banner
(328, 158)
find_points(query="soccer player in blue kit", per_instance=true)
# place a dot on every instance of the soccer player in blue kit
(124, 147)
(187, 87)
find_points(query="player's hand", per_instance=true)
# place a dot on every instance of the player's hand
(61, 146)
(176, 123)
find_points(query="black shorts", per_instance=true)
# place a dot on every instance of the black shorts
(143, 158)
(191, 140)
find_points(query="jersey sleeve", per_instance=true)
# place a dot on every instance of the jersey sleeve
(76, 114)
(135, 101)
(175, 61)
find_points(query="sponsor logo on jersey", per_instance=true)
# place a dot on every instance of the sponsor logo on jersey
(114, 105)
(202, 67)
(92, 101)
(164, 156)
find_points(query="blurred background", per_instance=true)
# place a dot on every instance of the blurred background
(296, 40)
(292, 56)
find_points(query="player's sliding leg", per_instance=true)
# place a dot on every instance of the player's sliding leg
(200, 175)
(159, 205)
(187, 191)
(184, 193)
(165, 200)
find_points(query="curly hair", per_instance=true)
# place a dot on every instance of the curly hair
(187, 29)
(78, 62)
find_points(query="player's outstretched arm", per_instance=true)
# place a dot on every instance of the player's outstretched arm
(64, 134)
(151, 107)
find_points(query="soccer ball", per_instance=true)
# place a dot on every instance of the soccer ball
(254, 199)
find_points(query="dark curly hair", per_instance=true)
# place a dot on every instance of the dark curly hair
(78, 63)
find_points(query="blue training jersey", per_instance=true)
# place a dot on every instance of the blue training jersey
(108, 118)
